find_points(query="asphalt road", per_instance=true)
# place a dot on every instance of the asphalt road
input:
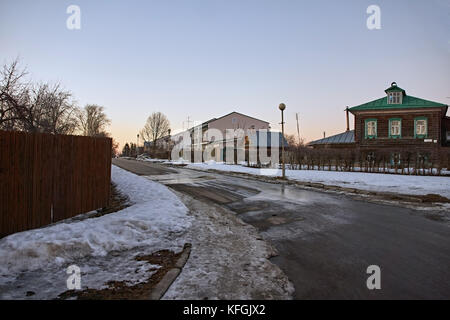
(326, 241)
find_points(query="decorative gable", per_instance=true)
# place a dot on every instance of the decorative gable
(395, 94)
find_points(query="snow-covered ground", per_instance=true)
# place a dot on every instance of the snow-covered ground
(104, 248)
(228, 260)
(405, 184)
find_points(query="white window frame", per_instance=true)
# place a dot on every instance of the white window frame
(371, 125)
(424, 126)
(395, 97)
(398, 125)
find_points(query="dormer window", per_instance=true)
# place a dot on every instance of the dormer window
(394, 97)
(394, 94)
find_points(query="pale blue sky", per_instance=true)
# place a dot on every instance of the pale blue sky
(206, 58)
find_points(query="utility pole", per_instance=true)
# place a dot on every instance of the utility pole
(298, 129)
(188, 122)
(282, 107)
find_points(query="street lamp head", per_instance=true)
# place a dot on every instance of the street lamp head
(282, 106)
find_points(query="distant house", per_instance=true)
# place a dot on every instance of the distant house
(250, 126)
(396, 122)
(162, 143)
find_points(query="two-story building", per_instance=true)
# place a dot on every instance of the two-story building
(213, 134)
(395, 122)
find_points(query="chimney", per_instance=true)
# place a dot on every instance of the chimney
(348, 122)
(324, 134)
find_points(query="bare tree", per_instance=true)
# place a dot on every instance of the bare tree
(52, 110)
(156, 127)
(92, 120)
(34, 108)
(14, 95)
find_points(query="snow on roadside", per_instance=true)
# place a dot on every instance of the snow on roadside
(229, 259)
(156, 220)
(419, 185)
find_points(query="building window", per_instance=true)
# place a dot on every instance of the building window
(371, 128)
(394, 97)
(395, 128)
(233, 120)
(420, 127)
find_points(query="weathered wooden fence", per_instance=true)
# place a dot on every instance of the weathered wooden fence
(45, 178)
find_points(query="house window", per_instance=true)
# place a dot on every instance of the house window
(233, 120)
(394, 98)
(395, 128)
(420, 127)
(371, 128)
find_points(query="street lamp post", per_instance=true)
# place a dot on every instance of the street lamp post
(282, 106)
(137, 144)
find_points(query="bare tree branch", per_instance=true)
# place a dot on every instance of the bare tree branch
(156, 127)
(92, 120)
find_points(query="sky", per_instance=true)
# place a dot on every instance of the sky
(205, 58)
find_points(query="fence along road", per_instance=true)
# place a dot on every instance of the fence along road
(45, 178)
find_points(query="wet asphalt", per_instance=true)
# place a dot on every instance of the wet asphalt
(326, 241)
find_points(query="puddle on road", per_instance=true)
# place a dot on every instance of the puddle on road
(279, 211)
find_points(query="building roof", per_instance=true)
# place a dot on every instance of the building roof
(268, 143)
(214, 119)
(237, 113)
(408, 102)
(395, 88)
(345, 137)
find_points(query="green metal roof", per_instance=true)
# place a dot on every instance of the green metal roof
(408, 102)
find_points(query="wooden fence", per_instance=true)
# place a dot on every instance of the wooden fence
(45, 178)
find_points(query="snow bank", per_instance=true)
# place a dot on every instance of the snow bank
(155, 220)
(419, 185)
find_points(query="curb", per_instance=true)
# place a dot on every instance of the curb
(164, 284)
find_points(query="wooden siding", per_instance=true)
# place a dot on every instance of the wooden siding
(45, 178)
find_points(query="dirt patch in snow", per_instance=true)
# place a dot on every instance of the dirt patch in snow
(121, 290)
(431, 197)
